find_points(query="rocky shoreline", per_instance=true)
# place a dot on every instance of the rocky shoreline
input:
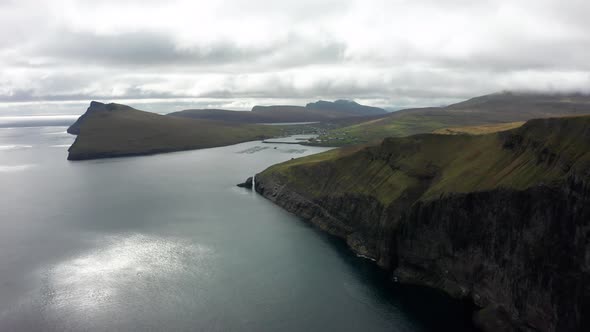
(519, 255)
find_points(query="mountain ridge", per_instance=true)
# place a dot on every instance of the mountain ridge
(317, 111)
(336, 128)
(493, 108)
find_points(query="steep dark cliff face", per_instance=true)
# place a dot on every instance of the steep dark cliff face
(519, 247)
(358, 219)
(525, 253)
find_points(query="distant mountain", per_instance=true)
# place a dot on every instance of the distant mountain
(525, 106)
(346, 107)
(312, 112)
(115, 130)
(489, 109)
(259, 114)
(220, 115)
(278, 109)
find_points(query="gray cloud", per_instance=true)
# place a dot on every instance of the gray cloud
(139, 49)
(158, 50)
(393, 53)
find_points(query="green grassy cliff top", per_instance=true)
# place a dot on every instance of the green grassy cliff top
(543, 151)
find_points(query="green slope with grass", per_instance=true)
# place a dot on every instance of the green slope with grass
(479, 130)
(490, 109)
(542, 150)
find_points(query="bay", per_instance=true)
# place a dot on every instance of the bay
(168, 242)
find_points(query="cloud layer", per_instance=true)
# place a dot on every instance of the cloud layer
(392, 53)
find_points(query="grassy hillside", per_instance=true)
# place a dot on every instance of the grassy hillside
(479, 130)
(489, 109)
(114, 130)
(429, 165)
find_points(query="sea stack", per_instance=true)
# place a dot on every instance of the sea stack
(247, 184)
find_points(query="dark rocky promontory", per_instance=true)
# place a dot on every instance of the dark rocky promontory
(114, 130)
(248, 184)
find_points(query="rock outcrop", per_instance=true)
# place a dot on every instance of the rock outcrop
(248, 184)
(501, 219)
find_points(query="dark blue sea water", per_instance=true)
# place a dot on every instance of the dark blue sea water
(168, 242)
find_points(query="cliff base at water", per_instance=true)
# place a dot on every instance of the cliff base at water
(501, 219)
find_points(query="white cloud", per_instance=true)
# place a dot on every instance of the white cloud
(238, 52)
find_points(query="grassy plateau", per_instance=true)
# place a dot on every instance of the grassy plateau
(540, 151)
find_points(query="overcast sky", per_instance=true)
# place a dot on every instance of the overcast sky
(236, 53)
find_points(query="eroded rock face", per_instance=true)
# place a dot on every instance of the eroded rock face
(522, 256)
(523, 251)
(246, 184)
